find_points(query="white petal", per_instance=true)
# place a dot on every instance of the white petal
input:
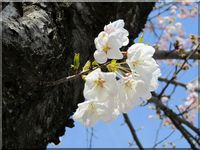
(102, 38)
(134, 54)
(143, 91)
(118, 24)
(100, 56)
(89, 92)
(122, 36)
(109, 76)
(148, 51)
(134, 47)
(114, 42)
(87, 115)
(93, 75)
(114, 54)
(114, 25)
(97, 44)
(125, 41)
(154, 80)
(102, 94)
(124, 32)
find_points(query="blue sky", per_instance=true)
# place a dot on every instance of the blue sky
(116, 134)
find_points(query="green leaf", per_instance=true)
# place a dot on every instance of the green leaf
(76, 61)
(87, 66)
(94, 63)
(72, 66)
(113, 66)
(141, 38)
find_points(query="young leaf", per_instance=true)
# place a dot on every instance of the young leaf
(94, 63)
(87, 66)
(76, 61)
(113, 66)
(141, 38)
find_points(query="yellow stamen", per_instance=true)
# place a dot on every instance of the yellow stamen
(106, 48)
(99, 82)
(129, 84)
(103, 35)
(136, 63)
(92, 107)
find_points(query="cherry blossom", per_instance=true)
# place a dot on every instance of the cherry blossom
(186, 12)
(109, 42)
(100, 85)
(164, 21)
(192, 99)
(173, 9)
(191, 86)
(165, 99)
(153, 81)
(108, 47)
(131, 89)
(118, 27)
(186, 2)
(140, 60)
(179, 29)
(161, 20)
(89, 112)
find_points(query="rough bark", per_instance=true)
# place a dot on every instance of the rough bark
(39, 41)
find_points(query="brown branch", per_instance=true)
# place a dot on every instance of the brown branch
(72, 77)
(162, 54)
(164, 108)
(184, 132)
(177, 121)
(190, 54)
(65, 79)
(188, 109)
(174, 82)
(133, 132)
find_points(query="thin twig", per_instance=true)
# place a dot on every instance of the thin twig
(173, 82)
(177, 71)
(156, 144)
(177, 123)
(184, 132)
(176, 120)
(91, 137)
(157, 133)
(164, 108)
(161, 12)
(72, 77)
(133, 132)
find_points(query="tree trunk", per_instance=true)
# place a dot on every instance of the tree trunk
(39, 42)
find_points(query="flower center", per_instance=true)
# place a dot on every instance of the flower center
(99, 82)
(129, 84)
(136, 63)
(105, 48)
(104, 35)
(92, 107)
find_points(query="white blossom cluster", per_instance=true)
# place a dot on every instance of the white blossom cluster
(108, 94)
